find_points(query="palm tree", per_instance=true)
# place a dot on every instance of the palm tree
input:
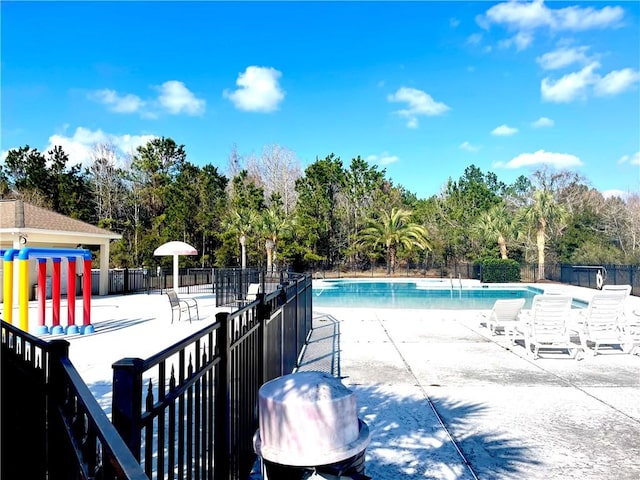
(497, 224)
(542, 214)
(242, 223)
(394, 230)
(274, 223)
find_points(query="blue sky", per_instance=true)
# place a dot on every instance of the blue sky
(422, 89)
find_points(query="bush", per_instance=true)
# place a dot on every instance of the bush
(497, 270)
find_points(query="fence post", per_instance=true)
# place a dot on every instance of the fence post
(127, 402)
(58, 449)
(125, 280)
(221, 438)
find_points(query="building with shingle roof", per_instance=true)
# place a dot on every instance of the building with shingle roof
(23, 224)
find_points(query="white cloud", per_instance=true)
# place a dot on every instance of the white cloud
(80, 145)
(259, 90)
(563, 57)
(468, 147)
(616, 82)
(504, 131)
(388, 159)
(541, 157)
(419, 103)
(128, 103)
(543, 122)
(529, 16)
(383, 159)
(615, 193)
(578, 85)
(525, 18)
(176, 98)
(521, 40)
(454, 22)
(474, 39)
(581, 19)
(632, 160)
(569, 87)
(517, 15)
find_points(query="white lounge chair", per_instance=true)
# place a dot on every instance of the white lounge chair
(546, 326)
(505, 316)
(626, 289)
(631, 332)
(252, 291)
(601, 322)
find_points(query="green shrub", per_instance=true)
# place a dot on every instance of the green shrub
(497, 270)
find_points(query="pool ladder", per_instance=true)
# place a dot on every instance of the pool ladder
(459, 283)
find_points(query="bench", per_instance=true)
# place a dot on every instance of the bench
(181, 304)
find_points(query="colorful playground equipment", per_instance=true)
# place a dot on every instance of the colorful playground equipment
(42, 255)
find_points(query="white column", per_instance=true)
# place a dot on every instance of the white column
(175, 273)
(104, 268)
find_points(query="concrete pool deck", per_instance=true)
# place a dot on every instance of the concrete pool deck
(446, 400)
(435, 388)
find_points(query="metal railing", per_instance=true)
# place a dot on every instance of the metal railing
(190, 411)
(52, 426)
(231, 285)
(586, 275)
(579, 275)
(140, 280)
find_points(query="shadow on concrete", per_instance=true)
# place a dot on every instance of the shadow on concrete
(106, 326)
(322, 352)
(408, 441)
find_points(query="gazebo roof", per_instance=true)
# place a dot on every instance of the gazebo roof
(21, 217)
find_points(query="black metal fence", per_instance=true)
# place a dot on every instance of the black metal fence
(52, 426)
(587, 275)
(579, 275)
(188, 412)
(231, 285)
(136, 280)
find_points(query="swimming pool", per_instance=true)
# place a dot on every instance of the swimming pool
(430, 294)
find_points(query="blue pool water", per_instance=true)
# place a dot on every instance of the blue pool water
(420, 295)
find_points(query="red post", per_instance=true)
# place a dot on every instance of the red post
(42, 300)
(71, 291)
(55, 290)
(86, 297)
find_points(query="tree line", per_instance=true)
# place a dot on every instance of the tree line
(268, 212)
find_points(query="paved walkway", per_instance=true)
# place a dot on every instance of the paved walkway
(438, 392)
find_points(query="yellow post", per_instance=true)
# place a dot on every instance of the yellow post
(23, 293)
(8, 291)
